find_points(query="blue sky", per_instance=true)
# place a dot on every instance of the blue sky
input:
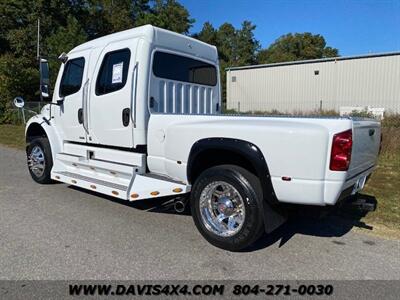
(354, 27)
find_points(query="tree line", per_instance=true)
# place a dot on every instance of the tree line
(68, 23)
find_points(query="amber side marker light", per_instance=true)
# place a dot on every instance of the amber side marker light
(155, 193)
(73, 181)
(177, 190)
(134, 195)
(286, 178)
(93, 186)
(115, 193)
(57, 177)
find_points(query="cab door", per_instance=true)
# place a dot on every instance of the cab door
(111, 96)
(72, 89)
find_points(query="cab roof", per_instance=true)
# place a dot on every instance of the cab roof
(159, 38)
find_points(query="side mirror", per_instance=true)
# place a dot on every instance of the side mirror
(44, 78)
(19, 102)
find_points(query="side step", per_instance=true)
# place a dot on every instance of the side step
(112, 178)
(97, 166)
(90, 183)
(140, 187)
(144, 186)
(106, 177)
(105, 154)
(161, 177)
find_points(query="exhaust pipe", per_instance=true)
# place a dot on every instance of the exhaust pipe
(179, 206)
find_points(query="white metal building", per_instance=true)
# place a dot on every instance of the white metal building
(303, 86)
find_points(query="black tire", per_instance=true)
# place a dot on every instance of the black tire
(249, 188)
(44, 145)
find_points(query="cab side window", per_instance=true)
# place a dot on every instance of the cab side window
(71, 80)
(113, 72)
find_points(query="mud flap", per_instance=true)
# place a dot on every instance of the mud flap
(273, 217)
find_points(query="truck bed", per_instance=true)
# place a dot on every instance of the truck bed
(294, 147)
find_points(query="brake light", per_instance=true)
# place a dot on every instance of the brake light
(341, 151)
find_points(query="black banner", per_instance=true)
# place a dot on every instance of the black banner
(369, 289)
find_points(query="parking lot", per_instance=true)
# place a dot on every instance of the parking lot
(60, 232)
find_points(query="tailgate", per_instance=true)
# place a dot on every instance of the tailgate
(366, 143)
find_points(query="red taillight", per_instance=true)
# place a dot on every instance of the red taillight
(341, 151)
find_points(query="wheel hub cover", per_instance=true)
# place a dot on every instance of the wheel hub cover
(225, 206)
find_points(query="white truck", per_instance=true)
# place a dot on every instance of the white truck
(137, 115)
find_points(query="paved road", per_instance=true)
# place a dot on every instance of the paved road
(59, 232)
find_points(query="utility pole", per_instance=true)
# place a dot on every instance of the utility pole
(38, 58)
(38, 40)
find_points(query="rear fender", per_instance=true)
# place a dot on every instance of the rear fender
(273, 215)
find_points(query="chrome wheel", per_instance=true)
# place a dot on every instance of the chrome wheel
(222, 209)
(36, 161)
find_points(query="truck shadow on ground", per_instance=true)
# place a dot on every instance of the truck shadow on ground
(313, 221)
(304, 220)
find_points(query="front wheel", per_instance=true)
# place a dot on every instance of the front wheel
(225, 207)
(40, 160)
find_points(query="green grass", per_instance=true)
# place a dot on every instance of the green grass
(12, 136)
(384, 183)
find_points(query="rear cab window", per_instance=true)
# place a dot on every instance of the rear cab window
(185, 69)
(71, 80)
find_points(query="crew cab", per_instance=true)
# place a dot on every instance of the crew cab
(137, 115)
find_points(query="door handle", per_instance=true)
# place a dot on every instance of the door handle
(371, 132)
(80, 116)
(152, 101)
(126, 114)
